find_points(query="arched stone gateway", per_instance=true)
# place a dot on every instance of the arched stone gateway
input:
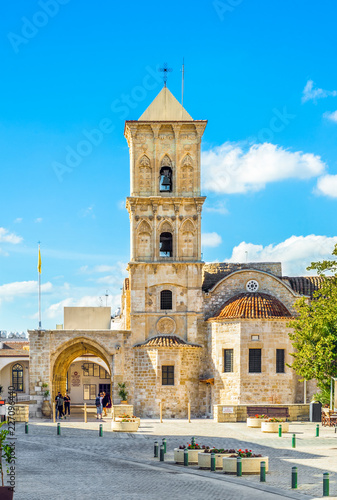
(67, 353)
(53, 353)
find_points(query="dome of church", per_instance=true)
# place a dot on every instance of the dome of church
(253, 306)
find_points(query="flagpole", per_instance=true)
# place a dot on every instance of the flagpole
(39, 301)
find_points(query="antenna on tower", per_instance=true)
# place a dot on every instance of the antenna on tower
(182, 82)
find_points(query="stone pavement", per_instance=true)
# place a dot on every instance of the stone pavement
(81, 465)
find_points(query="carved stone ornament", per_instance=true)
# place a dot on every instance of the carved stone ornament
(144, 161)
(166, 325)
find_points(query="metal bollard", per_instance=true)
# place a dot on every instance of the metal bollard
(263, 472)
(100, 430)
(280, 430)
(239, 466)
(26, 428)
(294, 478)
(293, 441)
(193, 441)
(212, 462)
(185, 457)
(58, 429)
(164, 444)
(326, 491)
(155, 450)
(161, 453)
(317, 430)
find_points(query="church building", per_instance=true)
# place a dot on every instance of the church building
(189, 332)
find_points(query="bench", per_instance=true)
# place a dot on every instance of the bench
(270, 411)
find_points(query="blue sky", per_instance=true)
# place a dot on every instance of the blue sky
(262, 73)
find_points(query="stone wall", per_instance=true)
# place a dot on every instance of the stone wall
(240, 386)
(238, 413)
(149, 391)
(215, 271)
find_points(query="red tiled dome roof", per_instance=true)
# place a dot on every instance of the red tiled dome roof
(166, 341)
(253, 306)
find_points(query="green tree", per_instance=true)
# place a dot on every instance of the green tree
(314, 335)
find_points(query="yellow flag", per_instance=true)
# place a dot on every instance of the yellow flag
(39, 262)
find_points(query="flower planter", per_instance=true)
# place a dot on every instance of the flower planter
(254, 422)
(124, 426)
(192, 456)
(249, 465)
(6, 493)
(273, 426)
(46, 408)
(204, 460)
(119, 419)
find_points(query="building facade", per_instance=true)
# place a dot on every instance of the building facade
(190, 332)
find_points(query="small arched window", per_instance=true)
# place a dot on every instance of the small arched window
(166, 299)
(165, 185)
(165, 245)
(17, 377)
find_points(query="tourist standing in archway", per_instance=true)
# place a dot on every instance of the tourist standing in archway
(66, 404)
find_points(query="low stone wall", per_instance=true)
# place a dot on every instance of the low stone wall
(238, 413)
(118, 410)
(21, 412)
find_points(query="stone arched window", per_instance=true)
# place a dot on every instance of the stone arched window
(187, 239)
(166, 176)
(145, 180)
(144, 240)
(166, 299)
(17, 377)
(187, 174)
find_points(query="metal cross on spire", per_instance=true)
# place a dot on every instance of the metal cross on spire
(165, 70)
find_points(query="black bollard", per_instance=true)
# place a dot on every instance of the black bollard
(294, 478)
(155, 450)
(161, 453)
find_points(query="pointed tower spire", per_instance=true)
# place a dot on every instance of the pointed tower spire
(165, 107)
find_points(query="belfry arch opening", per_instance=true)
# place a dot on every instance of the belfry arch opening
(83, 370)
(165, 185)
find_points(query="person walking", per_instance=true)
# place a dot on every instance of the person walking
(99, 405)
(59, 405)
(66, 404)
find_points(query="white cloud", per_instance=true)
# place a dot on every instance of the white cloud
(56, 310)
(7, 237)
(296, 253)
(327, 185)
(312, 93)
(121, 205)
(210, 240)
(219, 207)
(10, 291)
(18, 220)
(38, 220)
(331, 116)
(231, 169)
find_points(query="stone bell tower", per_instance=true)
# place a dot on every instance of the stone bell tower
(164, 206)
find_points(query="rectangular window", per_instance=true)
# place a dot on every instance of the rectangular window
(254, 360)
(89, 391)
(167, 375)
(280, 361)
(228, 360)
(96, 370)
(103, 373)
